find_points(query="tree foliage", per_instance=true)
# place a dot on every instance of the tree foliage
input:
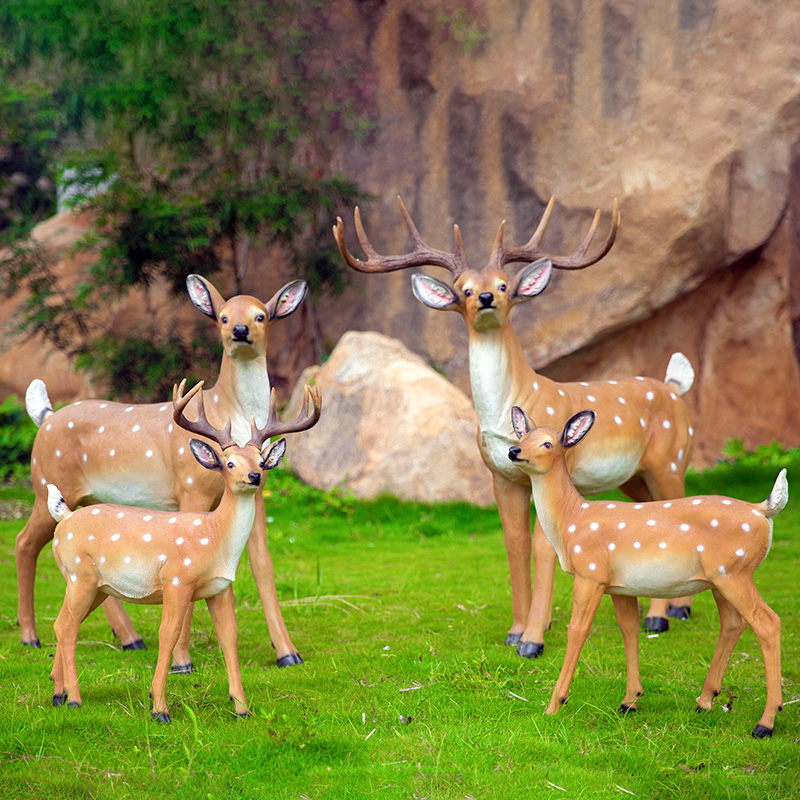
(193, 131)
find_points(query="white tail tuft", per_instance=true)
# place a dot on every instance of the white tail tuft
(779, 495)
(37, 402)
(680, 372)
(56, 504)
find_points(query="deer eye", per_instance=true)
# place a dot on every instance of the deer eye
(548, 445)
(501, 287)
(230, 465)
(467, 292)
(260, 318)
(224, 320)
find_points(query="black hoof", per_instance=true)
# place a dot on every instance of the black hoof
(243, 715)
(59, 699)
(513, 638)
(292, 660)
(182, 669)
(161, 716)
(73, 704)
(530, 649)
(656, 624)
(35, 643)
(679, 612)
(760, 732)
(137, 645)
(623, 709)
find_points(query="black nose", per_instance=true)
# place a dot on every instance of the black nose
(241, 333)
(255, 478)
(513, 453)
(486, 298)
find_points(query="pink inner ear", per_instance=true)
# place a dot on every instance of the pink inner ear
(578, 428)
(289, 299)
(534, 281)
(433, 292)
(200, 297)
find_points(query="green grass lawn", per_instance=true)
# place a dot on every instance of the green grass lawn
(400, 611)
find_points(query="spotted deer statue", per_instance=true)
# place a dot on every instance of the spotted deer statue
(644, 435)
(664, 549)
(102, 452)
(164, 557)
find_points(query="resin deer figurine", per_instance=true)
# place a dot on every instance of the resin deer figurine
(161, 557)
(98, 451)
(664, 549)
(645, 435)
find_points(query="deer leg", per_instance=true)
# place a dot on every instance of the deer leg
(731, 625)
(586, 597)
(741, 593)
(263, 572)
(176, 602)
(38, 531)
(121, 625)
(182, 663)
(223, 615)
(514, 506)
(541, 610)
(627, 611)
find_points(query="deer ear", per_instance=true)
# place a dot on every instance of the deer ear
(204, 296)
(532, 280)
(576, 427)
(205, 454)
(519, 421)
(275, 455)
(433, 292)
(287, 299)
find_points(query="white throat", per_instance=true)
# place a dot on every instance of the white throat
(250, 385)
(490, 380)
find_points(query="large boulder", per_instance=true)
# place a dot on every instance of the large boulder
(390, 425)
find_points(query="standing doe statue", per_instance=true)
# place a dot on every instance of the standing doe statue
(657, 549)
(645, 435)
(103, 452)
(154, 557)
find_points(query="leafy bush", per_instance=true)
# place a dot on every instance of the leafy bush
(17, 432)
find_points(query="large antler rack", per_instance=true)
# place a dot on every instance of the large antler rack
(307, 418)
(420, 256)
(531, 250)
(201, 426)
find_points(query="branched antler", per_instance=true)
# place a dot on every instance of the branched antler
(306, 419)
(201, 426)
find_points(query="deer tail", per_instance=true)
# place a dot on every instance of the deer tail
(778, 497)
(680, 373)
(37, 402)
(56, 504)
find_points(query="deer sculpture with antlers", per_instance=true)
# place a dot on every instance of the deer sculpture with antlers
(645, 434)
(668, 549)
(98, 451)
(153, 557)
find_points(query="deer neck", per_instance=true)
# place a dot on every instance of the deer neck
(234, 515)
(497, 368)
(557, 503)
(241, 392)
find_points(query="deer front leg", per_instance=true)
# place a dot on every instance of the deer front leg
(176, 606)
(541, 610)
(223, 615)
(627, 611)
(31, 539)
(514, 506)
(263, 573)
(585, 599)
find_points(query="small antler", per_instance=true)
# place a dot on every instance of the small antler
(531, 251)
(202, 426)
(306, 419)
(420, 256)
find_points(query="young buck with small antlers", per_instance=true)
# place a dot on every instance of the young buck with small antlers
(103, 452)
(170, 558)
(645, 434)
(670, 549)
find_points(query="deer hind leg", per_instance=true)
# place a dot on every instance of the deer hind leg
(223, 615)
(586, 597)
(182, 663)
(176, 605)
(264, 575)
(38, 531)
(741, 593)
(514, 506)
(121, 625)
(731, 625)
(627, 611)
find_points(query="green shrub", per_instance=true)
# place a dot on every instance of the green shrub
(17, 432)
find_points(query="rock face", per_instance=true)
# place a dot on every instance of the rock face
(390, 425)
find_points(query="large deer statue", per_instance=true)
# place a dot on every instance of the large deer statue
(663, 549)
(645, 436)
(102, 452)
(161, 557)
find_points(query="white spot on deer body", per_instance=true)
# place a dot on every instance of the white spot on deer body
(170, 428)
(162, 558)
(175, 581)
(149, 453)
(577, 548)
(612, 383)
(642, 422)
(571, 529)
(73, 577)
(673, 466)
(163, 408)
(584, 505)
(745, 526)
(128, 409)
(638, 505)
(700, 548)
(680, 454)
(216, 398)
(112, 452)
(136, 428)
(85, 457)
(611, 505)
(536, 386)
(77, 559)
(590, 397)
(666, 423)
(48, 426)
(756, 512)
(667, 505)
(69, 536)
(714, 523)
(172, 520)
(95, 511)
(662, 545)
(204, 540)
(592, 566)
(561, 393)
(55, 542)
(673, 395)
(91, 538)
(594, 526)
(187, 562)
(179, 540)
(190, 480)
(103, 405)
(684, 527)
(120, 515)
(639, 378)
(618, 420)
(696, 502)
(147, 537)
(197, 522)
(637, 545)
(127, 559)
(583, 383)
(70, 424)
(740, 552)
(102, 559)
(691, 431)
(58, 454)
(621, 525)
(721, 569)
(181, 450)
(115, 537)
(649, 395)
(550, 411)
(726, 502)
(651, 522)
(101, 429)
(44, 482)
(621, 400)
(612, 546)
